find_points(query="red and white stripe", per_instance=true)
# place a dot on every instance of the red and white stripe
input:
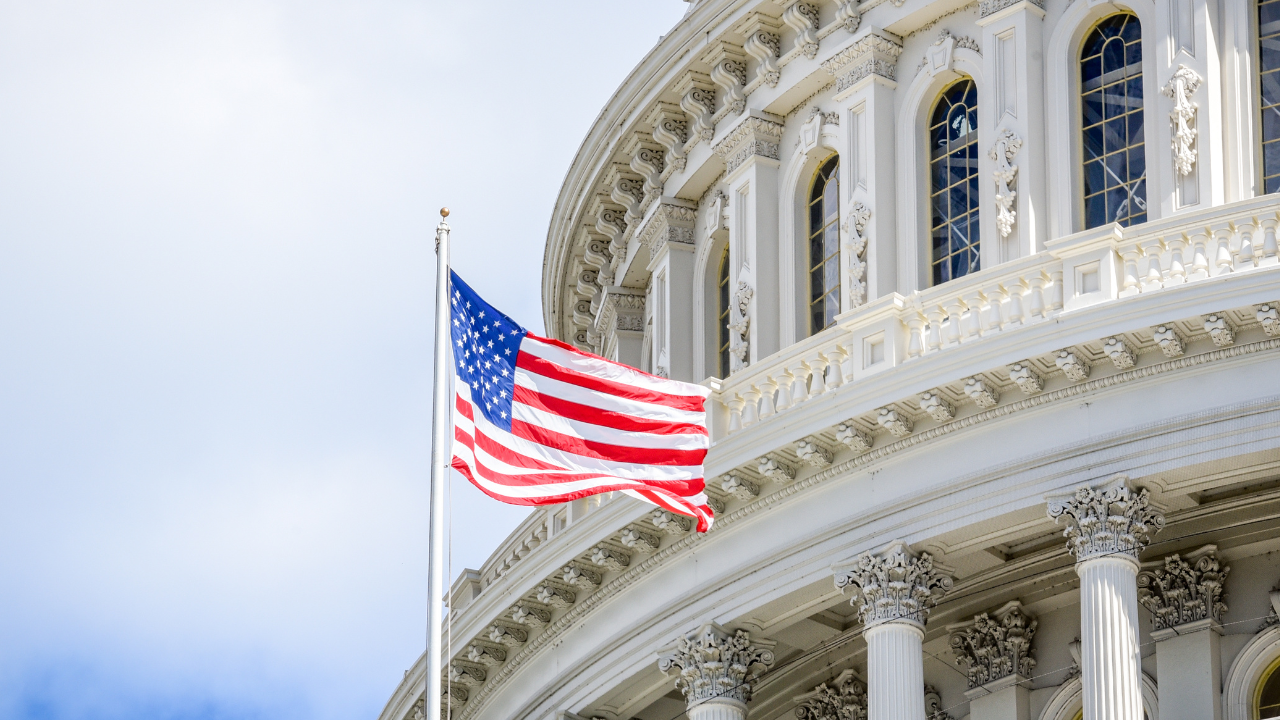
(583, 425)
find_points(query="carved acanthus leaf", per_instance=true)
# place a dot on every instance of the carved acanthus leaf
(996, 647)
(1181, 87)
(893, 584)
(844, 699)
(1108, 520)
(713, 663)
(1185, 590)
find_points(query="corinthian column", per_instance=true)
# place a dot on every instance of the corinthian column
(717, 669)
(893, 589)
(1108, 527)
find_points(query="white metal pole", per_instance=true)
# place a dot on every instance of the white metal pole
(439, 471)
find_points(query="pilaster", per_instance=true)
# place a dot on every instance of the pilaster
(716, 670)
(1013, 40)
(668, 234)
(996, 649)
(844, 699)
(620, 324)
(864, 73)
(750, 151)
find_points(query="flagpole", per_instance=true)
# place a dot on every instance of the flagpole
(439, 470)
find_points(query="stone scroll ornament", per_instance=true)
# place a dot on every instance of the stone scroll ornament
(1007, 145)
(1105, 521)
(715, 664)
(996, 647)
(1184, 592)
(855, 246)
(740, 326)
(844, 699)
(1181, 87)
(893, 585)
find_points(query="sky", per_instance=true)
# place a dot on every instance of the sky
(216, 278)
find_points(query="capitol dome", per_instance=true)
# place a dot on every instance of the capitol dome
(986, 297)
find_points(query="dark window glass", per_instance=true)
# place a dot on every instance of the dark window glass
(1269, 696)
(723, 322)
(1269, 67)
(953, 133)
(824, 246)
(1115, 168)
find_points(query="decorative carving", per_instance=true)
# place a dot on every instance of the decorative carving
(713, 663)
(556, 596)
(937, 406)
(508, 635)
(1108, 520)
(1184, 592)
(669, 223)
(698, 99)
(849, 16)
(649, 162)
(740, 326)
(932, 699)
(609, 559)
(1219, 329)
(626, 190)
(1169, 340)
(533, 616)
(981, 392)
(640, 541)
(853, 438)
(1269, 319)
(467, 674)
(1121, 354)
(996, 647)
(811, 452)
(766, 47)
(729, 71)
(775, 470)
(581, 577)
(895, 422)
(754, 136)
(940, 56)
(1073, 364)
(893, 585)
(1028, 380)
(717, 214)
(1181, 87)
(803, 18)
(844, 699)
(739, 487)
(855, 246)
(485, 654)
(670, 523)
(991, 7)
(1007, 145)
(873, 54)
(671, 130)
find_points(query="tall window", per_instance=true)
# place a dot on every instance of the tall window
(953, 166)
(1269, 66)
(723, 316)
(824, 246)
(1115, 161)
(1267, 699)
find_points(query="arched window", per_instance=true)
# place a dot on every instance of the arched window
(722, 321)
(1267, 699)
(953, 167)
(1269, 67)
(1115, 161)
(824, 246)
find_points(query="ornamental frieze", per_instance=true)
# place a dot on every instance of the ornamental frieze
(756, 135)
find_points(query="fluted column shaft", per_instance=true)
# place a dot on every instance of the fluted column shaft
(720, 709)
(895, 671)
(1109, 658)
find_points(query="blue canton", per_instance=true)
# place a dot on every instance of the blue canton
(486, 344)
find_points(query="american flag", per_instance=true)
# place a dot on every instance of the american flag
(538, 422)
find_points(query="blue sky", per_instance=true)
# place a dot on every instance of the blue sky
(215, 304)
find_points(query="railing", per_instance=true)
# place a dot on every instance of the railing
(1097, 266)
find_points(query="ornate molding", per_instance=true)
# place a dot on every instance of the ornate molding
(849, 16)
(873, 54)
(855, 246)
(812, 452)
(1220, 329)
(1181, 87)
(844, 699)
(1169, 340)
(775, 470)
(620, 309)
(1073, 364)
(1029, 381)
(803, 18)
(995, 647)
(941, 54)
(893, 585)
(764, 43)
(715, 664)
(1269, 319)
(937, 406)
(698, 99)
(1121, 353)
(740, 327)
(729, 71)
(895, 422)
(756, 135)
(853, 438)
(669, 222)
(671, 131)
(1111, 519)
(1007, 145)
(981, 392)
(739, 487)
(640, 541)
(1180, 591)
(991, 7)
(933, 704)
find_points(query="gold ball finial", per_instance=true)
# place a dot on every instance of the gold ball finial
(444, 212)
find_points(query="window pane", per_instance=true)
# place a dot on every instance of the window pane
(954, 201)
(824, 240)
(1113, 155)
(833, 241)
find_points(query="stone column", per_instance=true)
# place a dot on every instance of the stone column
(893, 589)
(716, 669)
(1184, 594)
(996, 649)
(1108, 527)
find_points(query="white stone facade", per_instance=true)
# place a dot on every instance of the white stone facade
(1047, 486)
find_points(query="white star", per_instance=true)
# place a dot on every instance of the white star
(504, 372)
(495, 323)
(501, 335)
(481, 313)
(508, 351)
(503, 414)
(490, 343)
(468, 304)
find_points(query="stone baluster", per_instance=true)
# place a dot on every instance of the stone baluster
(1055, 290)
(996, 649)
(846, 364)
(751, 411)
(1222, 257)
(974, 327)
(818, 366)
(1108, 526)
(1177, 271)
(995, 316)
(1185, 597)
(955, 313)
(735, 405)
(1270, 254)
(767, 388)
(716, 670)
(1153, 278)
(935, 328)
(1246, 257)
(1199, 255)
(784, 380)
(1129, 285)
(1035, 302)
(1017, 313)
(835, 360)
(799, 372)
(893, 590)
(915, 335)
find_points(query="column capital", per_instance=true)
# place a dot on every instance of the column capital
(844, 699)
(1180, 590)
(1108, 520)
(716, 664)
(758, 134)
(995, 646)
(893, 585)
